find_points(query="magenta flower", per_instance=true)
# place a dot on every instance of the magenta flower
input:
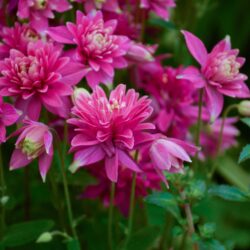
(43, 77)
(219, 72)
(39, 11)
(97, 47)
(209, 137)
(8, 116)
(145, 181)
(168, 154)
(35, 141)
(16, 37)
(107, 129)
(159, 7)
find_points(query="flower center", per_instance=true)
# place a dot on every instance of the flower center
(41, 4)
(30, 148)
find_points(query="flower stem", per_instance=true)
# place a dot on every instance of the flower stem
(220, 140)
(131, 208)
(65, 187)
(2, 189)
(111, 214)
(27, 193)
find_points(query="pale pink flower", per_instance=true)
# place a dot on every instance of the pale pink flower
(39, 11)
(145, 181)
(97, 47)
(209, 137)
(168, 154)
(16, 37)
(43, 77)
(8, 116)
(159, 7)
(35, 141)
(219, 72)
(107, 129)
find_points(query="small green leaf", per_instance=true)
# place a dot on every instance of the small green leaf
(196, 189)
(207, 230)
(162, 23)
(166, 201)
(228, 193)
(45, 237)
(211, 245)
(73, 244)
(23, 233)
(245, 153)
(246, 121)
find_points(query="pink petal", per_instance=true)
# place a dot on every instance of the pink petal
(44, 164)
(127, 161)
(10, 114)
(195, 47)
(111, 166)
(48, 142)
(60, 34)
(2, 134)
(18, 160)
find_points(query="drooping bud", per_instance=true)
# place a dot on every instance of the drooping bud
(244, 108)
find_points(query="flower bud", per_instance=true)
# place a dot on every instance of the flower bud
(244, 108)
(78, 92)
(44, 237)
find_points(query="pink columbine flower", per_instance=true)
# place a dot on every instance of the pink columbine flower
(168, 154)
(39, 11)
(97, 47)
(35, 141)
(43, 77)
(209, 137)
(219, 72)
(159, 7)
(8, 116)
(108, 129)
(16, 37)
(145, 181)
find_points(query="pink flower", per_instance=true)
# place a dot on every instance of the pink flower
(39, 11)
(159, 7)
(17, 37)
(175, 108)
(219, 72)
(168, 154)
(43, 77)
(8, 116)
(97, 47)
(209, 137)
(107, 129)
(35, 141)
(145, 181)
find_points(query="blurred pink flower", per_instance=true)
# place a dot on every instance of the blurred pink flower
(39, 11)
(97, 47)
(16, 37)
(107, 129)
(209, 137)
(35, 141)
(145, 181)
(219, 72)
(8, 116)
(168, 154)
(159, 7)
(43, 77)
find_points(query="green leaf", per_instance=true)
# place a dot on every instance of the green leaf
(245, 153)
(246, 121)
(73, 244)
(23, 233)
(196, 189)
(143, 239)
(162, 23)
(228, 193)
(207, 230)
(166, 201)
(211, 245)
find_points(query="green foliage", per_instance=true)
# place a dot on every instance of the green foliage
(228, 193)
(23, 233)
(246, 120)
(245, 153)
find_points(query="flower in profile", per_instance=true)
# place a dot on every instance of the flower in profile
(8, 116)
(16, 37)
(97, 47)
(39, 11)
(43, 77)
(210, 135)
(159, 7)
(168, 154)
(145, 181)
(219, 72)
(108, 129)
(35, 141)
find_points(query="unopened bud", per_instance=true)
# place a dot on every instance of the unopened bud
(78, 92)
(244, 108)
(44, 237)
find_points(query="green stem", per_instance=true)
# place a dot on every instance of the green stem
(220, 140)
(27, 193)
(131, 208)
(2, 189)
(111, 214)
(65, 186)
(166, 236)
